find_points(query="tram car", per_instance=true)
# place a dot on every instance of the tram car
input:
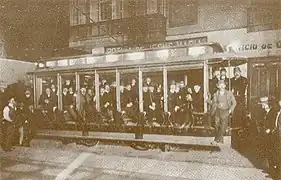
(134, 93)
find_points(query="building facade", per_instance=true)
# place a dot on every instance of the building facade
(102, 23)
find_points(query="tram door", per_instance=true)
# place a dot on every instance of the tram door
(265, 79)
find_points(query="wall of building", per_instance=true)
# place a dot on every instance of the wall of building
(11, 71)
(213, 15)
(216, 15)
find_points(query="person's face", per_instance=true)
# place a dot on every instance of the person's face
(196, 88)
(279, 103)
(27, 95)
(189, 90)
(217, 74)
(177, 89)
(48, 91)
(129, 87)
(172, 88)
(223, 73)
(67, 82)
(12, 101)
(181, 84)
(53, 86)
(70, 90)
(90, 91)
(237, 73)
(221, 86)
(148, 80)
(83, 91)
(151, 89)
(65, 90)
(134, 81)
(145, 89)
(107, 88)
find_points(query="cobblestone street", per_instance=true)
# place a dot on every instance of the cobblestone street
(118, 162)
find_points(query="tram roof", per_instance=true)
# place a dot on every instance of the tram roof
(222, 59)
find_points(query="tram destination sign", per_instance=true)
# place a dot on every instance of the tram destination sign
(157, 46)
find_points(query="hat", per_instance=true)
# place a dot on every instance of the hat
(237, 69)
(220, 82)
(263, 100)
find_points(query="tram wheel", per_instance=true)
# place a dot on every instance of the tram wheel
(140, 147)
(88, 143)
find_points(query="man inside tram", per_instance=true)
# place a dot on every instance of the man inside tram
(223, 76)
(91, 106)
(82, 105)
(223, 105)
(48, 105)
(174, 106)
(135, 91)
(68, 104)
(198, 98)
(153, 111)
(238, 87)
(107, 101)
(214, 81)
(29, 111)
(159, 100)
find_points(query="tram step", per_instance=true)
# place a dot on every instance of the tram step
(197, 143)
(187, 131)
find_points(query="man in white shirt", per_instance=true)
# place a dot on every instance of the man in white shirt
(9, 116)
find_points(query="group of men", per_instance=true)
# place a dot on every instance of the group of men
(182, 100)
(227, 102)
(17, 123)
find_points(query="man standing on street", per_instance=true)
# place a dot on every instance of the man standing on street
(9, 115)
(273, 131)
(223, 105)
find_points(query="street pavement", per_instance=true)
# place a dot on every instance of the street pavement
(107, 162)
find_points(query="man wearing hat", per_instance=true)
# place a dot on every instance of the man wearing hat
(273, 140)
(238, 88)
(223, 77)
(223, 105)
(9, 117)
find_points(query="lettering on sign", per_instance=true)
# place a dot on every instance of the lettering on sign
(253, 47)
(158, 46)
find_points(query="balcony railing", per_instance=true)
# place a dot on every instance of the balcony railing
(132, 30)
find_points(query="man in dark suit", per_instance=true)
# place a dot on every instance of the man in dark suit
(224, 77)
(238, 88)
(67, 104)
(273, 132)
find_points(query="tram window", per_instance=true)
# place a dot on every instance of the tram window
(68, 97)
(153, 97)
(107, 96)
(129, 94)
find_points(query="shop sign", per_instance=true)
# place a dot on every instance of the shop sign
(157, 46)
(264, 46)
